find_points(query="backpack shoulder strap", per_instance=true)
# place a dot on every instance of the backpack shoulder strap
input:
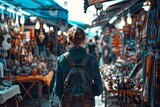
(85, 60)
(69, 59)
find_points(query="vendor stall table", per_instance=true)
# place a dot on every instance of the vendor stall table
(9, 92)
(37, 79)
(115, 92)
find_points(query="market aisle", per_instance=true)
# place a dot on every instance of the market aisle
(98, 102)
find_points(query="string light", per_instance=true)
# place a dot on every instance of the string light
(123, 21)
(129, 19)
(51, 28)
(33, 18)
(37, 26)
(22, 20)
(44, 26)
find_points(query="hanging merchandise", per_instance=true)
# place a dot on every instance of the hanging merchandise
(129, 19)
(148, 88)
(41, 41)
(6, 44)
(152, 29)
(3, 24)
(157, 83)
(37, 26)
(146, 5)
(17, 27)
(2, 15)
(1, 71)
(22, 21)
(41, 36)
(122, 23)
(158, 24)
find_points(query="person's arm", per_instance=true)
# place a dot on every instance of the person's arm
(87, 49)
(96, 51)
(59, 81)
(97, 86)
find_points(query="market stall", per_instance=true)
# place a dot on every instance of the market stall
(133, 51)
(39, 80)
(28, 40)
(7, 93)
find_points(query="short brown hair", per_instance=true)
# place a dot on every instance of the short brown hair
(76, 35)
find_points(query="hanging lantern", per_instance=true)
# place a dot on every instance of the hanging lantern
(44, 26)
(37, 26)
(129, 19)
(46, 29)
(51, 28)
(122, 21)
(17, 20)
(22, 20)
(33, 18)
(146, 5)
(59, 32)
(98, 5)
(2, 16)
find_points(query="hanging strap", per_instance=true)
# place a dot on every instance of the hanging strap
(72, 63)
(86, 60)
(69, 59)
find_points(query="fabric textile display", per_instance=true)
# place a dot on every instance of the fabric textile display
(152, 29)
(148, 88)
(156, 100)
(158, 24)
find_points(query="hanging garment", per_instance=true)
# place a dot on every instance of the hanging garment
(158, 24)
(152, 29)
(156, 102)
(148, 88)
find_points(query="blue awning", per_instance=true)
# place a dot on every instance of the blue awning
(41, 8)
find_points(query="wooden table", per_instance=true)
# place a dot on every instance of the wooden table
(8, 93)
(116, 92)
(37, 79)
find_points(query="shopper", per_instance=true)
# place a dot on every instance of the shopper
(92, 48)
(76, 37)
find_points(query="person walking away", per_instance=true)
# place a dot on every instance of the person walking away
(92, 48)
(78, 78)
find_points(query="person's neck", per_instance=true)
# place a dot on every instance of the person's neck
(81, 45)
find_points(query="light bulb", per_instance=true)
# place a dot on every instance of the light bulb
(59, 32)
(33, 18)
(122, 21)
(44, 26)
(146, 8)
(46, 29)
(51, 28)
(22, 20)
(37, 26)
(129, 19)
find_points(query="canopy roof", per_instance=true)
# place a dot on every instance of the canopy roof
(119, 9)
(48, 9)
(88, 3)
